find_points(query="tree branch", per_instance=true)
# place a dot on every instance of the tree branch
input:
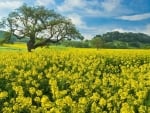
(46, 42)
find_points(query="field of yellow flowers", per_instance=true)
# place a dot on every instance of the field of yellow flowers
(75, 81)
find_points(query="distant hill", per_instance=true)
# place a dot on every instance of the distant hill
(125, 40)
(13, 38)
(1, 34)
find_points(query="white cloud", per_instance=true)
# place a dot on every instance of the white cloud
(137, 17)
(76, 19)
(45, 2)
(69, 5)
(7, 6)
(147, 29)
(87, 36)
(83, 7)
(93, 12)
(110, 5)
(93, 8)
(90, 31)
(121, 30)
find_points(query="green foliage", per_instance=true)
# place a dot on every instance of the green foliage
(6, 37)
(116, 44)
(97, 42)
(124, 40)
(77, 44)
(39, 22)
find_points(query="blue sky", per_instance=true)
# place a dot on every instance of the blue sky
(94, 17)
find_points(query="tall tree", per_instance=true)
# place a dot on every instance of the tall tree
(97, 42)
(39, 22)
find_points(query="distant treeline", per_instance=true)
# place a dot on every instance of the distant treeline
(5, 38)
(125, 40)
(114, 40)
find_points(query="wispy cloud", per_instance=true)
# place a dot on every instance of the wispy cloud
(121, 30)
(7, 6)
(70, 5)
(147, 29)
(10, 4)
(45, 2)
(92, 13)
(76, 19)
(90, 31)
(136, 17)
(84, 7)
(110, 5)
(93, 8)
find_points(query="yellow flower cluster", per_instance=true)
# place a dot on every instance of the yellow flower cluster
(3, 94)
(75, 81)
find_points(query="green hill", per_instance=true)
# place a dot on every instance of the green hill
(13, 38)
(125, 40)
(1, 34)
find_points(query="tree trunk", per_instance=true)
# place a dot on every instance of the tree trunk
(30, 45)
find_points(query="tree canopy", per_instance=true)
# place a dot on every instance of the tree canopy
(126, 37)
(123, 40)
(97, 42)
(39, 22)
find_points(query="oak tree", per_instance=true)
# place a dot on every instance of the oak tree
(38, 22)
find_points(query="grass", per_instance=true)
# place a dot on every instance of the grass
(9, 49)
(19, 46)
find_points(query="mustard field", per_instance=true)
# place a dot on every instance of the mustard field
(75, 81)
